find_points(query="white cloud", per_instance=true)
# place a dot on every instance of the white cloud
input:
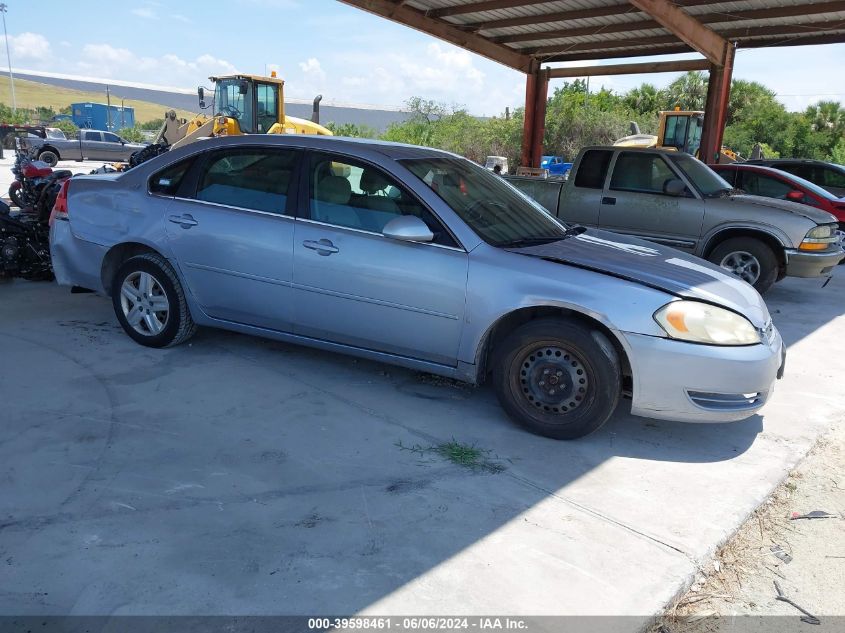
(182, 18)
(439, 71)
(106, 61)
(312, 67)
(31, 49)
(145, 12)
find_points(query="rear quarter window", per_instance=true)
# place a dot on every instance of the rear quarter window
(167, 181)
(592, 171)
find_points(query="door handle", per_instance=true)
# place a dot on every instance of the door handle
(608, 200)
(323, 246)
(185, 221)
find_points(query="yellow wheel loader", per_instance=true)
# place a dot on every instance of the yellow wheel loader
(678, 130)
(242, 104)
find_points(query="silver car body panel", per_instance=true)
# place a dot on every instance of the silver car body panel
(418, 305)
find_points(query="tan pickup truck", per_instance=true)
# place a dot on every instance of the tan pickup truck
(675, 199)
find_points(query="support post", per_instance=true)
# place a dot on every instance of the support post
(534, 125)
(716, 109)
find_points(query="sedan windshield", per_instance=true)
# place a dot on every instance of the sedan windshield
(496, 211)
(707, 181)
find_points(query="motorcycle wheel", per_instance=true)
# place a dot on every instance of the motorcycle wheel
(14, 196)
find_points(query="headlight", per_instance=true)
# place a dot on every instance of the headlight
(819, 238)
(699, 322)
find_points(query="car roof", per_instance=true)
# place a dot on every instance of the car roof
(775, 161)
(327, 143)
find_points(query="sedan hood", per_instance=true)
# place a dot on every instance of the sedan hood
(656, 266)
(816, 215)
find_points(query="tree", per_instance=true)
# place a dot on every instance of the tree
(132, 134)
(645, 99)
(351, 129)
(689, 92)
(745, 94)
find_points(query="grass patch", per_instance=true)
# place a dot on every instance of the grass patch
(31, 94)
(465, 455)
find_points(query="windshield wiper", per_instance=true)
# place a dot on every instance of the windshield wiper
(575, 229)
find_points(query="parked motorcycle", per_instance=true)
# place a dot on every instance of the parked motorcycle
(36, 183)
(25, 236)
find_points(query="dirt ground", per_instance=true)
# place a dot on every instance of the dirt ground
(805, 556)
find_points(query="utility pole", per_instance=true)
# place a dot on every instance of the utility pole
(108, 109)
(3, 8)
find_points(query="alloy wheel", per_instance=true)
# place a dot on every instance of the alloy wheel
(144, 303)
(742, 264)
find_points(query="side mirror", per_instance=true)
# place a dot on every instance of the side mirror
(201, 95)
(243, 87)
(674, 187)
(795, 196)
(408, 228)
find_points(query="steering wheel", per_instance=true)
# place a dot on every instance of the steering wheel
(476, 211)
(232, 110)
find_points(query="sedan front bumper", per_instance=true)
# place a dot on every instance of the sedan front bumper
(674, 380)
(807, 264)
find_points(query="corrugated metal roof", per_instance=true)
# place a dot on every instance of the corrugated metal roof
(521, 33)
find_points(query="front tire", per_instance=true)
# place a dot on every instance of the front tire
(149, 302)
(749, 259)
(557, 378)
(49, 156)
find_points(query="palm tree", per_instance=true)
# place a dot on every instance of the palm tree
(826, 115)
(689, 91)
(645, 99)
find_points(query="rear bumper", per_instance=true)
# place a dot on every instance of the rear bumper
(686, 382)
(75, 262)
(804, 264)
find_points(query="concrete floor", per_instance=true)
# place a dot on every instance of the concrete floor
(240, 476)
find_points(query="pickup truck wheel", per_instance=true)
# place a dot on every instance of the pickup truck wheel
(49, 156)
(749, 259)
(149, 302)
(557, 378)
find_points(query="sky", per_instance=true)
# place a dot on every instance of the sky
(323, 46)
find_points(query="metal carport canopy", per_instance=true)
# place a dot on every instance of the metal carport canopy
(523, 34)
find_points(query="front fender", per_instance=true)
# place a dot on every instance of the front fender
(713, 235)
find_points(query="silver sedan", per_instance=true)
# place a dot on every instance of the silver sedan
(419, 258)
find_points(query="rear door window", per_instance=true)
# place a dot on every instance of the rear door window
(830, 177)
(92, 136)
(592, 171)
(257, 179)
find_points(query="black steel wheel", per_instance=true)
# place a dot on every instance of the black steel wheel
(558, 378)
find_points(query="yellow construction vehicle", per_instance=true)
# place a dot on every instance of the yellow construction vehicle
(678, 130)
(242, 104)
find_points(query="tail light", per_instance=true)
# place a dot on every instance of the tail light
(60, 206)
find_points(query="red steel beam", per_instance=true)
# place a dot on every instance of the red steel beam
(528, 120)
(716, 109)
(686, 28)
(682, 65)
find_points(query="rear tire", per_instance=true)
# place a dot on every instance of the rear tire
(557, 378)
(49, 156)
(749, 259)
(149, 302)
